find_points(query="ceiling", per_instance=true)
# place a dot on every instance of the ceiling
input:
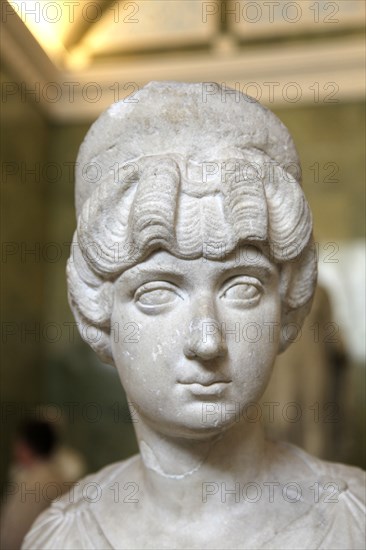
(78, 56)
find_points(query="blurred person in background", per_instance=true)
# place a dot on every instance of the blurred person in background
(42, 471)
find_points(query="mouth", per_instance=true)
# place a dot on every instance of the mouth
(216, 387)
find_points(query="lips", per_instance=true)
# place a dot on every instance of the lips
(205, 387)
(214, 388)
(204, 383)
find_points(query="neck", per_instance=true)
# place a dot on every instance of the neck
(180, 470)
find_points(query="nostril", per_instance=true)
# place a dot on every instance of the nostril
(204, 340)
(205, 351)
(188, 351)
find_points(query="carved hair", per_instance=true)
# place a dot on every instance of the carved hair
(195, 178)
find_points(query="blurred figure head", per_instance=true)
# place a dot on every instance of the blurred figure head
(36, 440)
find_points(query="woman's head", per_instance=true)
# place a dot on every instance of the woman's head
(193, 175)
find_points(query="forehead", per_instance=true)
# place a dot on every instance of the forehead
(162, 262)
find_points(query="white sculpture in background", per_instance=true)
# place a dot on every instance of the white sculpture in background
(193, 261)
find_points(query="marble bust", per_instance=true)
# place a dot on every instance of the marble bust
(194, 230)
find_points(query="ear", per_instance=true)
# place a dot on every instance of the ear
(91, 304)
(291, 323)
(98, 338)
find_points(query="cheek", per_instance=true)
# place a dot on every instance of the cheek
(267, 331)
(144, 347)
(254, 345)
(259, 325)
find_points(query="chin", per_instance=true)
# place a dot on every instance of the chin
(191, 424)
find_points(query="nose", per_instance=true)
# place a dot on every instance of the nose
(205, 337)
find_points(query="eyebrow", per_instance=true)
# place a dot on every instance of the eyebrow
(138, 272)
(250, 268)
(260, 261)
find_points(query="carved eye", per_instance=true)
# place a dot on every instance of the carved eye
(243, 291)
(155, 294)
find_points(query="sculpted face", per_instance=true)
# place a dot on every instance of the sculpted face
(204, 337)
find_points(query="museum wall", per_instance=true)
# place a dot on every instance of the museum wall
(324, 369)
(24, 136)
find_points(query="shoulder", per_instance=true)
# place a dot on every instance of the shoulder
(72, 520)
(309, 467)
(351, 475)
(335, 495)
